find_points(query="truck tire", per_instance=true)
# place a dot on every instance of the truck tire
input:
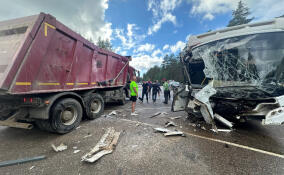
(94, 104)
(44, 125)
(65, 115)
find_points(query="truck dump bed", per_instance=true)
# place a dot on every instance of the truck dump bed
(38, 54)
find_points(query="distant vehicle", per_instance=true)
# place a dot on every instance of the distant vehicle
(235, 74)
(174, 84)
(51, 76)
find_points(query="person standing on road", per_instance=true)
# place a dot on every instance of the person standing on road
(166, 91)
(145, 90)
(156, 90)
(150, 88)
(133, 94)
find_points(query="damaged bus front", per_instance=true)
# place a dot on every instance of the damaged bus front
(235, 74)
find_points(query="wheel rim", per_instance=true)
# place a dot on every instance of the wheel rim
(69, 115)
(96, 106)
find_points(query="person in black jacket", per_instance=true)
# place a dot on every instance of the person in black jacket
(155, 90)
(145, 90)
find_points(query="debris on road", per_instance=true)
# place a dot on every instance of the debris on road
(203, 128)
(174, 133)
(155, 115)
(76, 151)
(25, 160)
(78, 127)
(75, 147)
(162, 130)
(168, 132)
(167, 124)
(59, 148)
(105, 146)
(112, 113)
(223, 120)
(221, 130)
(173, 118)
(32, 167)
(164, 113)
(89, 135)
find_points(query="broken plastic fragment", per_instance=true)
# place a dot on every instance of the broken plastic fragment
(87, 136)
(167, 124)
(76, 151)
(173, 118)
(113, 113)
(59, 148)
(156, 114)
(174, 133)
(106, 145)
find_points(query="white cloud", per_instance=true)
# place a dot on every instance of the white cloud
(157, 52)
(130, 38)
(124, 53)
(210, 8)
(166, 47)
(177, 47)
(208, 16)
(162, 13)
(145, 48)
(144, 62)
(86, 17)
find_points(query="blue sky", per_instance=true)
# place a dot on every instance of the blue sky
(145, 29)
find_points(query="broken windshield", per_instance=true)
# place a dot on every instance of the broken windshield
(252, 59)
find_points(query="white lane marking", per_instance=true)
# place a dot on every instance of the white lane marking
(220, 141)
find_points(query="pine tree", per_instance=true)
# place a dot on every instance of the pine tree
(104, 44)
(240, 15)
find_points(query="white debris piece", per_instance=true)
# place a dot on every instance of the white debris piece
(75, 147)
(203, 128)
(162, 130)
(168, 132)
(32, 167)
(88, 136)
(173, 118)
(78, 127)
(164, 113)
(221, 130)
(105, 146)
(76, 151)
(59, 148)
(167, 124)
(156, 114)
(113, 113)
(174, 133)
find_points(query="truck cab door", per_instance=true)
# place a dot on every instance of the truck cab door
(181, 97)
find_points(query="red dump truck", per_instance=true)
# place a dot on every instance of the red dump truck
(52, 77)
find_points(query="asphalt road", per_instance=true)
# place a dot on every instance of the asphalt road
(249, 149)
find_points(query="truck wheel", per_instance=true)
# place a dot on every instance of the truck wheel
(94, 106)
(44, 125)
(65, 115)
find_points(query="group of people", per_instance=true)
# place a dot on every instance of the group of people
(147, 88)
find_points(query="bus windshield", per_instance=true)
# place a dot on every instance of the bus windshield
(252, 59)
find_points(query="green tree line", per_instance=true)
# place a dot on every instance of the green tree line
(170, 69)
